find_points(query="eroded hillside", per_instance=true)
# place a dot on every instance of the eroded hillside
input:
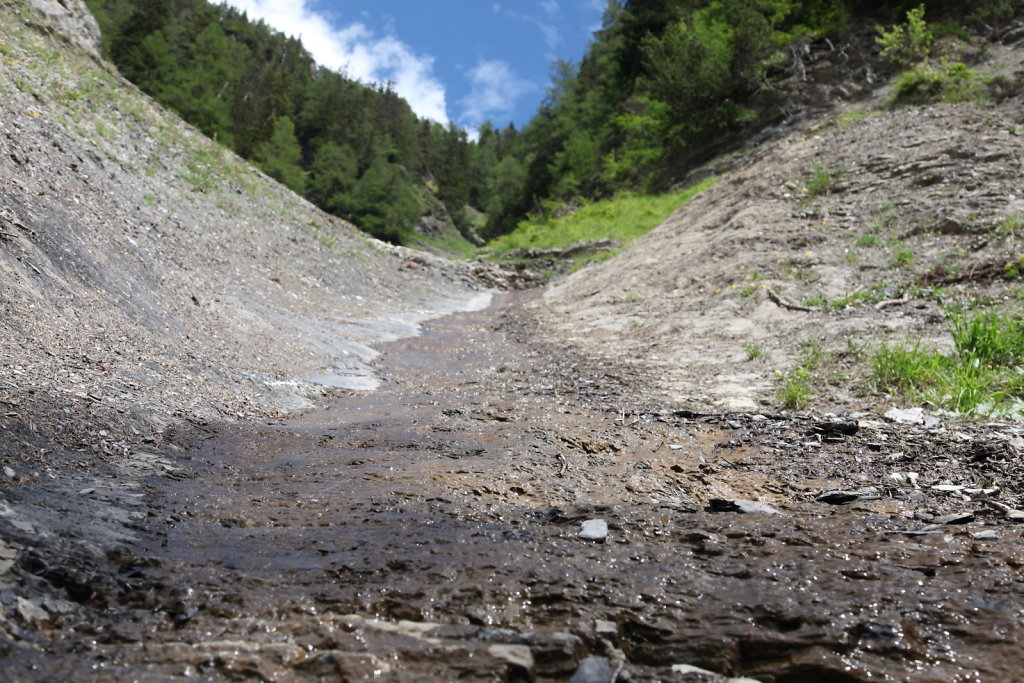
(200, 482)
(865, 227)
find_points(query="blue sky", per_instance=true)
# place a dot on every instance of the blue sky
(461, 60)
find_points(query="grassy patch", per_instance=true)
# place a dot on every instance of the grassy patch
(822, 180)
(983, 376)
(622, 218)
(795, 390)
(903, 257)
(945, 82)
(454, 246)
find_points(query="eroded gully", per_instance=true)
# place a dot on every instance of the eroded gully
(430, 531)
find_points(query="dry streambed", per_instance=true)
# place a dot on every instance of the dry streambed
(431, 530)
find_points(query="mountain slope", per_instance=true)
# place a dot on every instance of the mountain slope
(148, 274)
(863, 227)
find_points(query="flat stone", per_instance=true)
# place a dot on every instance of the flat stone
(32, 614)
(956, 518)
(594, 530)
(8, 555)
(986, 535)
(746, 507)
(605, 628)
(694, 670)
(592, 670)
(909, 416)
(837, 427)
(519, 656)
(838, 497)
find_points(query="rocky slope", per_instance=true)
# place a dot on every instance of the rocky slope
(149, 278)
(838, 236)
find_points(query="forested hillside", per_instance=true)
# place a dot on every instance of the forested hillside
(355, 150)
(664, 86)
(668, 84)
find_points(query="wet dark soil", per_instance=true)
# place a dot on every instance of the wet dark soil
(430, 531)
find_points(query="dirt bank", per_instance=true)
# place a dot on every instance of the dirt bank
(150, 279)
(800, 245)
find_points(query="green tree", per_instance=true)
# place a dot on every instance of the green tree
(332, 175)
(382, 202)
(279, 156)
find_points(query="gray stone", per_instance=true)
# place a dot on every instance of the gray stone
(32, 614)
(592, 670)
(956, 518)
(518, 656)
(909, 416)
(605, 628)
(594, 530)
(72, 19)
(838, 497)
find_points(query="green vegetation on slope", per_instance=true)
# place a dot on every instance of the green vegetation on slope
(667, 84)
(622, 218)
(983, 376)
(354, 150)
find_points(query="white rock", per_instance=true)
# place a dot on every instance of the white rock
(594, 530)
(909, 416)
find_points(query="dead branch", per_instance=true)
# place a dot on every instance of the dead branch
(779, 301)
(892, 302)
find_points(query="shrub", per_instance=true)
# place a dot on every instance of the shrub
(946, 82)
(909, 43)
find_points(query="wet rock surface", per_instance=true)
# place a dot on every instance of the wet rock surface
(430, 531)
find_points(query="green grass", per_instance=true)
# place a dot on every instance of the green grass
(753, 351)
(622, 218)
(823, 180)
(903, 257)
(983, 376)
(796, 389)
(948, 81)
(796, 392)
(454, 246)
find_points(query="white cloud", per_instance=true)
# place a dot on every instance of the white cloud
(546, 24)
(495, 90)
(358, 52)
(594, 7)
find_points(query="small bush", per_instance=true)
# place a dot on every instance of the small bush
(909, 43)
(945, 82)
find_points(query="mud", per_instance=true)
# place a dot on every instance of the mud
(429, 530)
